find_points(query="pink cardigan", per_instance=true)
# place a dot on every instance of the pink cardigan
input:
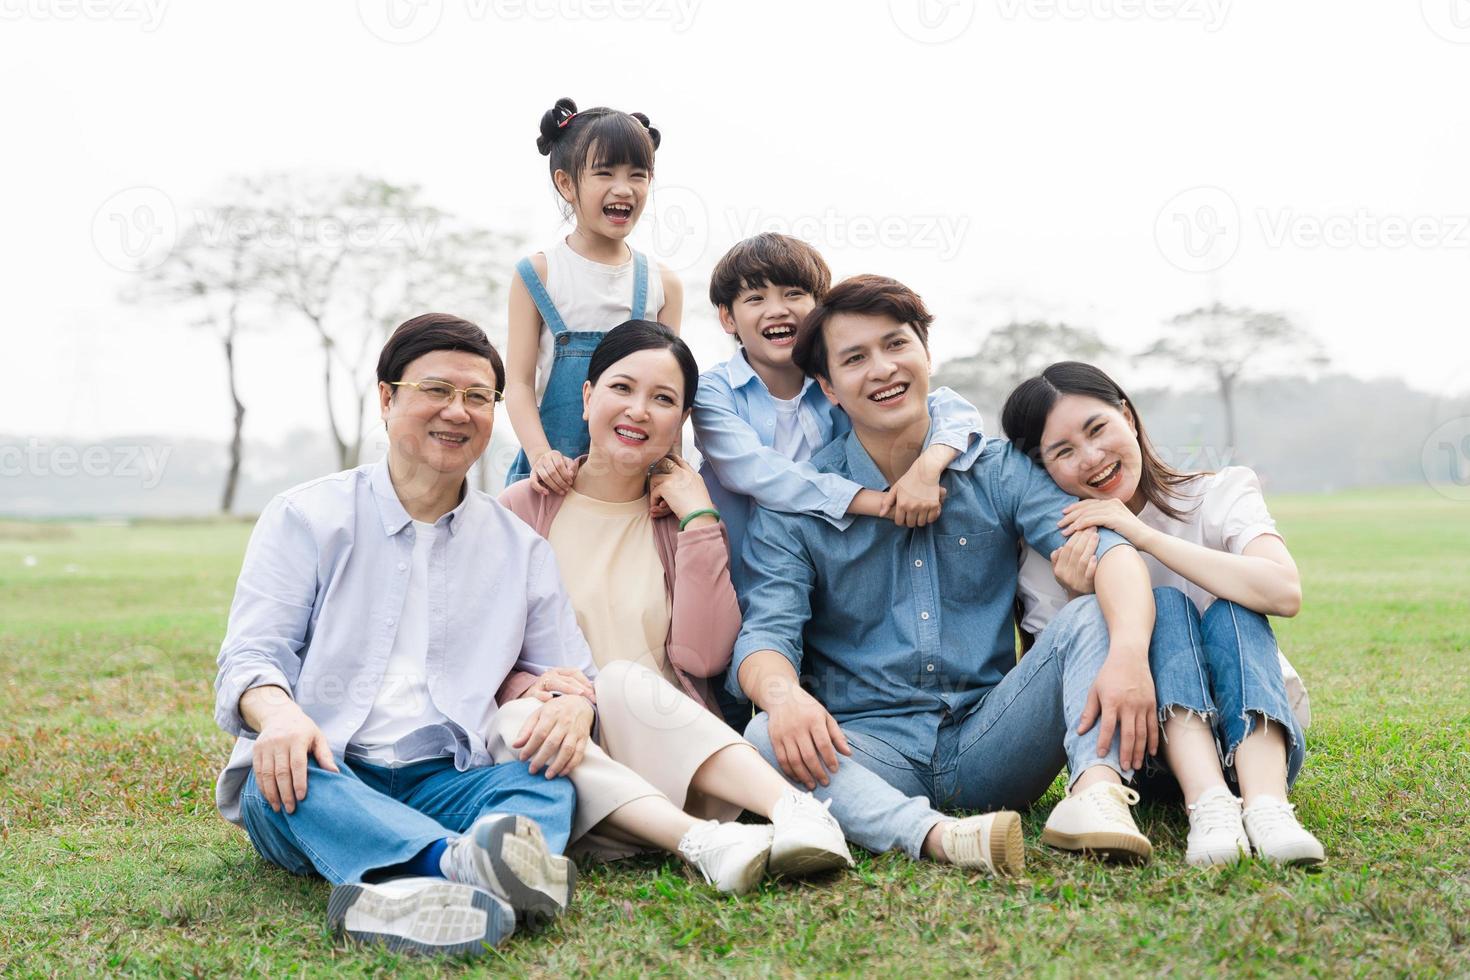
(705, 615)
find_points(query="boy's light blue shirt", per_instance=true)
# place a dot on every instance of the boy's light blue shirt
(735, 429)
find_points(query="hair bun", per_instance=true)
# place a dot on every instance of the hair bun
(553, 124)
(653, 134)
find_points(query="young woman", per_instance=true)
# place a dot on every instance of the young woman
(654, 600)
(1219, 568)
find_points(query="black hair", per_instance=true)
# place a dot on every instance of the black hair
(429, 332)
(1026, 410)
(568, 136)
(866, 294)
(632, 336)
(768, 259)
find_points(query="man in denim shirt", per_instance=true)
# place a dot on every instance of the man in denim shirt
(905, 635)
(377, 613)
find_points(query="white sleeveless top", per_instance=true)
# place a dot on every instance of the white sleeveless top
(589, 296)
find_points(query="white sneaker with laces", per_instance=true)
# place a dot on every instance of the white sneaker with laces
(1216, 834)
(506, 855)
(429, 916)
(991, 841)
(806, 838)
(1276, 834)
(730, 856)
(1097, 821)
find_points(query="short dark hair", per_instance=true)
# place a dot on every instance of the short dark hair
(567, 136)
(768, 259)
(429, 332)
(632, 336)
(1024, 420)
(868, 295)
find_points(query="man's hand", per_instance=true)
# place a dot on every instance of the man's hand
(1074, 564)
(287, 736)
(567, 680)
(556, 735)
(806, 738)
(1122, 697)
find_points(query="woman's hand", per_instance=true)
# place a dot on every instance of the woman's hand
(1112, 514)
(553, 473)
(675, 483)
(1075, 563)
(556, 735)
(567, 680)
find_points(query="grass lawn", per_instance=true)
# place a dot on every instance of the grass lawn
(113, 859)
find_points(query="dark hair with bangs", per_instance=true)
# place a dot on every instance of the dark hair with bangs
(568, 136)
(435, 331)
(1026, 410)
(632, 336)
(868, 295)
(768, 259)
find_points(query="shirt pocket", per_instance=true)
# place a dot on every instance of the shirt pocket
(975, 566)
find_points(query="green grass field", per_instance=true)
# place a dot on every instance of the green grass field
(113, 859)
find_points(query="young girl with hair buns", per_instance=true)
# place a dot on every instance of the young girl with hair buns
(564, 299)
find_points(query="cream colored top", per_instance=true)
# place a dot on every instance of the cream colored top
(612, 572)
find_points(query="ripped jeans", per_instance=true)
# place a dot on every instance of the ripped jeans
(1224, 667)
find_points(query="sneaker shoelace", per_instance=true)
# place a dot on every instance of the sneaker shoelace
(1114, 801)
(804, 806)
(1219, 811)
(1271, 818)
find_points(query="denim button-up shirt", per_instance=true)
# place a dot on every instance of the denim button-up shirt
(321, 594)
(893, 627)
(735, 429)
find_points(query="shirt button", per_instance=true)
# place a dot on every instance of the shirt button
(930, 668)
(401, 566)
(918, 563)
(923, 615)
(962, 542)
(390, 622)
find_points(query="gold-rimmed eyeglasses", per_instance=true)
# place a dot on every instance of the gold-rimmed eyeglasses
(476, 397)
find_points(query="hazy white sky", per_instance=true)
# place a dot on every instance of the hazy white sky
(1110, 162)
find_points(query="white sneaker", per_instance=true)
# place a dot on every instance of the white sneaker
(1276, 835)
(991, 841)
(1216, 835)
(806, 838)
(730, 856)
(420, 915)
(506, 855)
(1097, 821)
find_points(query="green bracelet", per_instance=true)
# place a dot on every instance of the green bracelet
(698, 513)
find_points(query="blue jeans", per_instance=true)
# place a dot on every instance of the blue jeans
(1004, 754)
(367, 818)
(1223, 666)
(561, 403)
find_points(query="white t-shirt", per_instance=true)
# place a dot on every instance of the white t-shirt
(403, 704)
(791, 440)
(1223, 511)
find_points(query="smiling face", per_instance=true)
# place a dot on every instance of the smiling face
(878, 371)
(635, 409)
(764, 319)
(1090, 448)
(446, 438)
(607, 198)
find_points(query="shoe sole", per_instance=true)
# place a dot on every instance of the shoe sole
(1215, 859)
(801, 860)
(445, 918)
(1007, 846)
(1305, 858)
(537, 884)
(1110, 846)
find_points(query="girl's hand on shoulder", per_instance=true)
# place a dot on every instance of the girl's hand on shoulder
(1111, 514)
(1075, 563)
(676, 484)
(553, 473)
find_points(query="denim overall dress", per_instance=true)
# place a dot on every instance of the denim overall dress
(561, 403)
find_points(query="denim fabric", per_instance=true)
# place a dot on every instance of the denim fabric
(366, 817)
(1223, 666)
(895, 625)
(561, 404)
(1003, 752)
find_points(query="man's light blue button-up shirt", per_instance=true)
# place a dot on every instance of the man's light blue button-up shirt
(893, 626)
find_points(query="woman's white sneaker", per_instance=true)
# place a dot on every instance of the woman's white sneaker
(1216, 834)
(1277, 836)
(730, 856)
(806, 838)
(1097, 821)
(991, 841)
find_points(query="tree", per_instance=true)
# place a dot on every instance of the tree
(1225, 342)
(1019, 350)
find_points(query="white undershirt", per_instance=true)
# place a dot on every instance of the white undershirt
(790, 439)
(404, 704)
